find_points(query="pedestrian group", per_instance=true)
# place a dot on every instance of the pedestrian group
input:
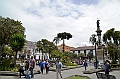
(29, 65)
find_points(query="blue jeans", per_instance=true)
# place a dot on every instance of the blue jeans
(31, 71)
(27, 74)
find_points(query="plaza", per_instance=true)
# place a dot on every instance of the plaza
(65, 74)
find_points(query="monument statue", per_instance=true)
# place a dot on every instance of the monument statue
(98, 23)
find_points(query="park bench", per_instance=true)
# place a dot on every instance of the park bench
(104, 76)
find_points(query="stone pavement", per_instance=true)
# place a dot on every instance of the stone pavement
(65, 74)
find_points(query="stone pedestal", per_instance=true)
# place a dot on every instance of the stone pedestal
(99, 55)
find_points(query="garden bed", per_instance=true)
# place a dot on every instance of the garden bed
(115, 65)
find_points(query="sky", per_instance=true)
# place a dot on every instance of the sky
(44, 19)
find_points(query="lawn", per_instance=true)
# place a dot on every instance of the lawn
(78, 78)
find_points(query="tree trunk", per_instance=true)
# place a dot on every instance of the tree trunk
(0, 50)
(116, 57)
(63, 45)
(15, 58)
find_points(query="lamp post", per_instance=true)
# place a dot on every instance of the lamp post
(96, 55)
(95, 52)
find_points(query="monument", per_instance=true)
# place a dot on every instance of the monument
(99, 44)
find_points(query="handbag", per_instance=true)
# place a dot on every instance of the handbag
(22, 68)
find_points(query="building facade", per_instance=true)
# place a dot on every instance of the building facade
(66, 48)
(30, 49)
(84, 49)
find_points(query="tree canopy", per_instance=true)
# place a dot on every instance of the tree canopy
(17, 42)
(112, 39)
(8, 27)
(64, 36)
(46, 46)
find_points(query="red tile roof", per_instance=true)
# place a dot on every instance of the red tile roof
(84, 48)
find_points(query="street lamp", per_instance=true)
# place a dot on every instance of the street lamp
(95, 52)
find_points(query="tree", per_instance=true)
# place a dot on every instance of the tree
(71, 56)
(64, 36)
(90, 55)
(92, 39)
(46, 46)
(112, 39)
(56, 40)
(82, 55)
(56, 54)
(17, 42)
(8, 27)
(8, 51)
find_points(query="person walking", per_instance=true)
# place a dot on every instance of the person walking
(42, 65)
(107, 67)
(32, 66)
(47, 66)
(58, 68)
(27, 67)
(22, 68)
(85, 64)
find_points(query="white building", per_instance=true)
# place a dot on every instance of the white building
(84, 49)
(30, 49)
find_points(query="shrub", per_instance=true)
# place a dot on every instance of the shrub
(115, 65)
(6, 63)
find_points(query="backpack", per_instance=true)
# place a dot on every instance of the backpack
(108, 67)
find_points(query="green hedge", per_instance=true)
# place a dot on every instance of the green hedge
(115, 65)
(7, 65)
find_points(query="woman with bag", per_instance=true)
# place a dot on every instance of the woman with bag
(22, 68)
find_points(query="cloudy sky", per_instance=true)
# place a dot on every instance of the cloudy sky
(43, 19)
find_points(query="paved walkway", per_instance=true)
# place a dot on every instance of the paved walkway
(65, 73)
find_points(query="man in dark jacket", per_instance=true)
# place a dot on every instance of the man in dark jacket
(85, 64)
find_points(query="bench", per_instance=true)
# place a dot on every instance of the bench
(104, 76)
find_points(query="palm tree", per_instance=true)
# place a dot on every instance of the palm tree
(46, 46)
(17, 42)
(56, 40)
(64, 36)
(92, 39)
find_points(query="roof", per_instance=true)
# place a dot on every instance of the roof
(84, 48)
